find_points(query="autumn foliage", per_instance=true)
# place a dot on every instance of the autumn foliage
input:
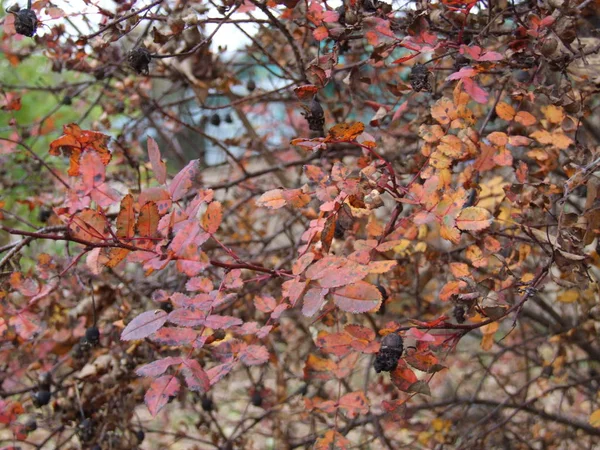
(372, 225)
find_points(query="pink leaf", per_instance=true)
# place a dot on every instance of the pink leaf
(187, 317)
(475, 91)
(320, 33)
(215, 321)
(219, 372)
(465, 72)
(144, 325)
(158, 367)
(184, 180)
(195, 376)
(158, 165)
(254, 355)
(160, 390)
(313, 301)
(174, 336)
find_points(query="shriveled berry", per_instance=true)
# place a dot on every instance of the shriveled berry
(389, 354)
(44, 214)
(67, 100)
(228, 118)
(139, 59)
(92, 335)
(166, 306)
(251, 85)
(256, 398)
(31, 425)
(459, 313)
(207, 403)
(215, 120)
(26, 22)
(140, 435)
(41, 398)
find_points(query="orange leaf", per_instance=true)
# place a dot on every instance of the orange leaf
(148, 219)
(89, 225)
(306, 92)
(357, 298)
(505, 111)
(525, 118)
(75, 141)
(345, 131)
(272, 199)
(126, 218)
(354, 403)
(332, 441)
(212, 217)
(403, 377)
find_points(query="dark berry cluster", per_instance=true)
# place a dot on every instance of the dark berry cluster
(26, 22)
(389, 354)
(419, 78)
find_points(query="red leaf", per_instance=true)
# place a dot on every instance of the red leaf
(195, 376)
(320, 33)
(219, 372)
(26, 324)
(174, 336)
(158, 165)
(187, 317)
(160, 390)
(144, 325)
(184, 180)
(254, 355)
(354, 403)
(403, 377)
(215, 321)
(157, 367)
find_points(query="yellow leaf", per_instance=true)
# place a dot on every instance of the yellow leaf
(570, 296)
(595, 419)
(554, 114)
(473, 219)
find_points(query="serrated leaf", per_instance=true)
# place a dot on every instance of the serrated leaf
(159, 393)
(212, 217)
(126, 218)
(474, 218)
(195, 376)
(184, 180)
(254, 355)
(158, 367)
(144, 325)
(357, 298)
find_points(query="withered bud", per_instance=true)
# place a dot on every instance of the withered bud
(419, 78)
(26, 22)
(138, 59)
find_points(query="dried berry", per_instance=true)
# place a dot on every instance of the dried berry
(85, 430)
(140, 435)
(26, 22)
(389, 354)
(166, 306)
(341, 10)
(139, 59)
(370, 5)
(215, 120)
(459, 313)
(256, 398)
(419, 78)
(251, 85)
(44, 214)
(228, 118)
(67, 100)
(41, 398)
(339, 231)
(92, 336)
(207, 403)
(315, 116)
(31, 425)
